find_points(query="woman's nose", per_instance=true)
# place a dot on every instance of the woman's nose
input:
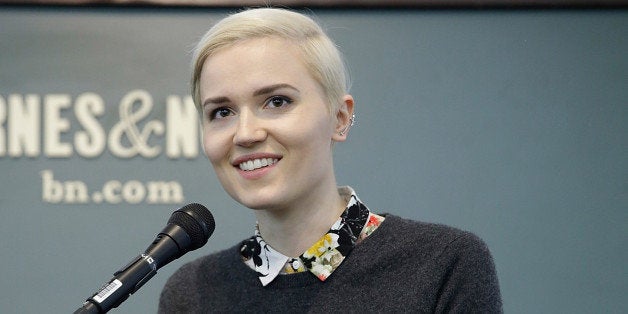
(250, 130)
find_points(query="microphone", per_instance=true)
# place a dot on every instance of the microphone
(188, 229)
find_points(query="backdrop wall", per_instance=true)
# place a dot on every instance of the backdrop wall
(510, 124)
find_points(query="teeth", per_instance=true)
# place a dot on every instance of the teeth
(257, 163)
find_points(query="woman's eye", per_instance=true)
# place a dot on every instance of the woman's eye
(220, 113)
(278, 101)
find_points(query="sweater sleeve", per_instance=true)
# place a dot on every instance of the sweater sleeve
(470, 283)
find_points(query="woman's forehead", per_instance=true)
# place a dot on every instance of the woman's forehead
(252, 64)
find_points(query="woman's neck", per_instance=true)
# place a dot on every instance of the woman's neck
(293, 230)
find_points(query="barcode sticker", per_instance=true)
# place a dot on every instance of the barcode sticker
(107, 290)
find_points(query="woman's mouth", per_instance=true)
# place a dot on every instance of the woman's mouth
(257, 163)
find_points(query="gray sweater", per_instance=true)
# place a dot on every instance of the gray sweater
(404, 266)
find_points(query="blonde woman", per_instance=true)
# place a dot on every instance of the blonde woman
(272, 91)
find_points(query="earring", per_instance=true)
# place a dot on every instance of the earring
(352, 122)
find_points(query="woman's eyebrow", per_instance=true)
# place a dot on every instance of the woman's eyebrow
(261, 91)
(271, 88)
(216, 100)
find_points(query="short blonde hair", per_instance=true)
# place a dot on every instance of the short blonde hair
(321, 56)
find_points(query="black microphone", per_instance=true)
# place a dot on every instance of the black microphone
(188, 229)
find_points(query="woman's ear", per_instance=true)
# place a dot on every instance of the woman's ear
(344, 119)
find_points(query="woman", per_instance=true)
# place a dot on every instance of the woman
(272, 91)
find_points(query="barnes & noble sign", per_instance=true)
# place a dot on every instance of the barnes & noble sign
(61, 126)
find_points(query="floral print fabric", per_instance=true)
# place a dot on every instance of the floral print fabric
(354, 225)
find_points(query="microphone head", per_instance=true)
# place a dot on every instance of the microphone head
(197, 221)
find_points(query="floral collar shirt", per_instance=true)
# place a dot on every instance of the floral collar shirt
(321, 259)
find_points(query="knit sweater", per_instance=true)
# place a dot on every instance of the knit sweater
(404, 266)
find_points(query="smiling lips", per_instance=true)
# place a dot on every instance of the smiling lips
(257, 163)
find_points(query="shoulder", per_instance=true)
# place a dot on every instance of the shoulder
(440, 248)
(431, 237)
(183, 290)
(459, 259)
(458, 263)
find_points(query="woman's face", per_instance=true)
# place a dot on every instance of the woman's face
(267, 129)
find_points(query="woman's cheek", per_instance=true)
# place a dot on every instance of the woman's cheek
(210, 147)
